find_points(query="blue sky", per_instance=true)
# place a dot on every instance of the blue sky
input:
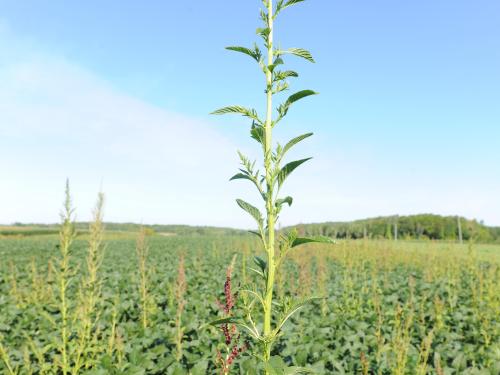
(118, 94)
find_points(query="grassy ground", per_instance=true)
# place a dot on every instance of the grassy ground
(390, 308)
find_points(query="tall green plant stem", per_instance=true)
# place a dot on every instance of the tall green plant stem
(6, 360)
(269, 182)
(66, 235)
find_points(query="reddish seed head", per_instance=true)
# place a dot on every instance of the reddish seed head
(230, 298)
(230, 331)
(227, 334)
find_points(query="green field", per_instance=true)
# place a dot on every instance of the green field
(389, 308)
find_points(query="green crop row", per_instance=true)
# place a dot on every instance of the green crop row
(388, 308)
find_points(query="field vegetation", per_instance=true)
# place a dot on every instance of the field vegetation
(385, 299)
(420, 227)
(389, 308)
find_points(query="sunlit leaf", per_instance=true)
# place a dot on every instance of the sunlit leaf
(294, 141)
(280, 202)
(255, 53)
(241, 176)
(257, 133)
(236, 109)
(300, 95)
(280, 76)
(289, 168)
(252, 210)
(319, 239)
(290, 3)
(281, 5)
(300, 52)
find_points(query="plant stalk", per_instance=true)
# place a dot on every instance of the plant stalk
(269, 182)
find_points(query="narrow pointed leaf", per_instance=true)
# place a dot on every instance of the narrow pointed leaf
(257, 133)
(252, 210)
(237, 109)
(263, 32)
(300, 95)
(288, 200)
(281, 76)
(261, 263)
(290, 3)
(241, 176)
(236, 321)
(289, 168)
(258, 272)
(256, 233)
(281, 5)
(255, 294)
(294, 141)
(255, 54)
(319, 239)
(296, 307)
(300, 52)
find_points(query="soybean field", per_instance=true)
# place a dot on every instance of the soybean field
(384, 307)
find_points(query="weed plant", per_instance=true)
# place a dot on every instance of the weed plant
(262, 319)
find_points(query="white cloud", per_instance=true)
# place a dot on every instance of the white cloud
(58, 120)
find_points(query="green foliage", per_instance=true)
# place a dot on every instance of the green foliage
(287, 170)
(236, 109)
(300, 53)
(294, 141)
(117, 229)
(253, 211)
(269, 183)
(425, 226)
(379, 299)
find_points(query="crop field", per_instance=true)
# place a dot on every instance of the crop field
(387, 307)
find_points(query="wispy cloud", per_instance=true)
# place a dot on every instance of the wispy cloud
(58, 119)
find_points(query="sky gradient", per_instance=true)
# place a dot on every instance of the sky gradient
(117, 94)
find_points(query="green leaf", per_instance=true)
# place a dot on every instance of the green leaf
(263, 31)
(275, 366)
(281, 5)
(300, 52)
(280, 202)
(284, 107)
(200, 368)
(294, 141)
(252, 210)
(261, 263)
(236, 109)
(300, 95)
(281, 76)
(276, 62)
(256, 233)
(257, 133)
(290, 3)
(241, 176)
(258, 272)
(292, 310)
(289, 168)
(238, 322)
(319, 239)
(255, 53)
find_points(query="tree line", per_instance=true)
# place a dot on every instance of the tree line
(424, 226)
